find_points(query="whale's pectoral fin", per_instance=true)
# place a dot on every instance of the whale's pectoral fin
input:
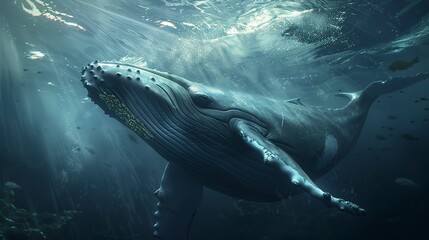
(252, 136)
(179, 197)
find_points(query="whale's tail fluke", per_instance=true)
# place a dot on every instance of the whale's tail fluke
(363, 99)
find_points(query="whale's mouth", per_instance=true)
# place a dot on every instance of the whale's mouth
(127, 93)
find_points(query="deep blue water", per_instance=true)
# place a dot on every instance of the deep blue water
(66, 154)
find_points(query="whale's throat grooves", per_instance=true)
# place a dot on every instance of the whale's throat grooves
(124, 115)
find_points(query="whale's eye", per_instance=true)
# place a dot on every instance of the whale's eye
(202, 99)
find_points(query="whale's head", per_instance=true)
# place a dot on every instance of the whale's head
(151, 102)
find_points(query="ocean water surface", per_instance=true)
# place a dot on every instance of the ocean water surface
(68, 171)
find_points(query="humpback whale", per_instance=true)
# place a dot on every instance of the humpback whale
(249, 147)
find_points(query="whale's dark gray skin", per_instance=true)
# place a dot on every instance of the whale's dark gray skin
(249, 147)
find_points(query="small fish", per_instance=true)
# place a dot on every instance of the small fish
(406, 182)
(106, 163)
(11, 185)
(380, 137)
(391, 117)
(423, 99)
(133, 138)
(90, 150)
(409, 137)
(384, 147)
(402, 64)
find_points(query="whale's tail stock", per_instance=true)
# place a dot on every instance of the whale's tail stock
(364, 99)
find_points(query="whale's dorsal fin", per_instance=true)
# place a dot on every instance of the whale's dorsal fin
(179, 197)
(350, 95)
(296, 101)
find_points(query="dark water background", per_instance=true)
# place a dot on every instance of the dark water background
(67, 155)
